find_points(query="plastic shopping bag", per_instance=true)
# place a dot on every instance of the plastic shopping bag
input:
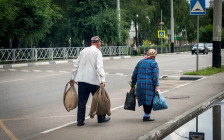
(130, 101)
(159, 102)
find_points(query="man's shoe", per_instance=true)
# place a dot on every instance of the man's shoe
(106, 119)
(148, 119)
(80, 123)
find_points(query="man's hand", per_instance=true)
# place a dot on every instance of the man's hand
(103, 83)
(72, 82)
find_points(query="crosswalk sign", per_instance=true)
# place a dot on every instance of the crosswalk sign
(196, 136)
(197, 7)
(161, 34)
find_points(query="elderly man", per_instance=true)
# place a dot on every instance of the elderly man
(146, 74)
(89, 73)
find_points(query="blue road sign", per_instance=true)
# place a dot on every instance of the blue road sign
(196, 136)
(197, 7)
(161, 33)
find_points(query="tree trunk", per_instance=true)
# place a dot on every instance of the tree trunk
(16, 43)
(136, 33)
(87, 41)
(110, 43)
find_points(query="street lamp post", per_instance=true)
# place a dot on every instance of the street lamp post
(119, 18)
(217, 32)
(172, 28)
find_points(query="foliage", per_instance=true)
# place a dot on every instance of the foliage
(53, 23)
(146, 43)
(28, 19)
(92, 18)
(104, 24)
(206, 34)
(207, 71)
(140, 12)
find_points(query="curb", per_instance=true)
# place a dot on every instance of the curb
(7, 66)
(166, 77)
(167, 128)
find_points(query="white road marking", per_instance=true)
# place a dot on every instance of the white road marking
(64, 72)
(2, 70)
(11, 81)
(12, 70)
(49, 75)
(53, 129)
(50, 130)
(25, 71)
(36, 70)
(49, 71)
(119, 73)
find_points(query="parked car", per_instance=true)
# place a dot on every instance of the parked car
(201, 48)
(209, 46)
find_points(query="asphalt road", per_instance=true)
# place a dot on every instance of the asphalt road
(31, 97)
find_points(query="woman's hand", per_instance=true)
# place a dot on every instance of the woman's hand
(156, 89)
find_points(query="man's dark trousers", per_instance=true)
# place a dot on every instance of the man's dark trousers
(84, 90)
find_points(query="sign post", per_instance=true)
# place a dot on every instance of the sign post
(197, 7)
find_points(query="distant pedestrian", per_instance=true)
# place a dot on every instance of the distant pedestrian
(146, 75)
(135, 49)
(89, 73)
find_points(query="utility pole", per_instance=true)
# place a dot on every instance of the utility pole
(119, 18)
(217, 31)
(197, 43)
(172, 28)
(161, 29)
(217, 134)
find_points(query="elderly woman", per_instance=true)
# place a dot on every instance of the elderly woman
(146, 74)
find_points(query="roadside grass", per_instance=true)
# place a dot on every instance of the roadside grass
(207, 71)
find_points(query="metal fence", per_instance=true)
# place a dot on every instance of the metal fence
(165, 49)
(72, 52)
(55, 53)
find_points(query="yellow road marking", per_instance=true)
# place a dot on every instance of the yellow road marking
(7, 131)
(47, 117)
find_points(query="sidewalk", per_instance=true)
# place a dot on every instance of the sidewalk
(128, 125)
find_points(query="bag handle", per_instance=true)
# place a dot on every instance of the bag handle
(66, 88)
(65, 95)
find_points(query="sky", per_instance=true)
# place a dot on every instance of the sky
(207, 4)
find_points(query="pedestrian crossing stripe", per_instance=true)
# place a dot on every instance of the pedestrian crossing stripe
(161, 33)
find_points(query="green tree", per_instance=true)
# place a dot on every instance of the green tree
(29, 20)
(206, 33)
(90, 18)
(141, 13)
(61, 31)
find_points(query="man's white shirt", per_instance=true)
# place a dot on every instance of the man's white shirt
(89, 66)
